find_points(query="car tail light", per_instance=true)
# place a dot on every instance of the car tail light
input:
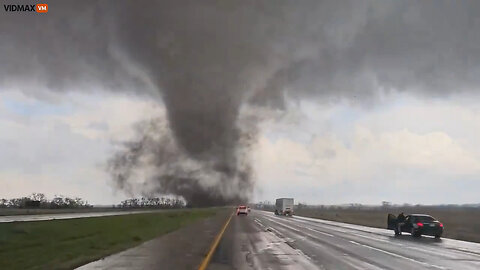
(419, 224)
(441, 225)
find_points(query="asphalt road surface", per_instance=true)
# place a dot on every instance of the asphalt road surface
(43, 217)
(262, 240)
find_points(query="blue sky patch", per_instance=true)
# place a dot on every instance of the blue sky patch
(35, 108)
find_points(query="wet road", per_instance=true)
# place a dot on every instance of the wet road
(43, 217)
(265, 241)
(182, 249)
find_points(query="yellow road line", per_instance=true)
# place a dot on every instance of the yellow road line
(215, 243)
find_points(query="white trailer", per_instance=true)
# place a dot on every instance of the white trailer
(284, 206)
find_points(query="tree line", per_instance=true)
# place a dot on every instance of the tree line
(39, 200)
(154, 202)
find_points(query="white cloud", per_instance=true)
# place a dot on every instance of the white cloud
(331, 160)
(379, 149)
(61, 148)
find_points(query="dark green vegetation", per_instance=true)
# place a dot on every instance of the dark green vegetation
(65, 244)
(37, 203)
(39, 200)
(461, 223)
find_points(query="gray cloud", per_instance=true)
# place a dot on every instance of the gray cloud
(208, 59)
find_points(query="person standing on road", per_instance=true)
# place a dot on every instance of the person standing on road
(400, 222)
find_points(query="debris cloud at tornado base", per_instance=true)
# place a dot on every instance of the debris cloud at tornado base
(214, 64)
(218, 176)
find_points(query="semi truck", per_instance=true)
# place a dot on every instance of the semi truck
(284, 206)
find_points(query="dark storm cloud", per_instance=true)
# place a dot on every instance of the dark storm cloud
(211, 59)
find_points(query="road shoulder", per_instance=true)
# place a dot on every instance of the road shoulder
(182, 249)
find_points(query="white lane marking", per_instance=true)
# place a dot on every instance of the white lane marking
(427, 250)
(354, 263)
(291, 228)
(286, 226)
(398, 255)
(259, 223)
(297, 238)
(375, 239)
(324, 233)
(474, 253)
(294, 229)
(295, 221)
(277, 232)
(332, 227)
(346, 225)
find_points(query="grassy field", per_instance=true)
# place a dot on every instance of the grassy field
(65, 244)
(460, 223)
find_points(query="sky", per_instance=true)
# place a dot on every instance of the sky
(218, 102)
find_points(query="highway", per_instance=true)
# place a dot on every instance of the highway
(262, 240)
(44, 217)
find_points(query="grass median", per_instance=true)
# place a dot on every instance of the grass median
(66, 244)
